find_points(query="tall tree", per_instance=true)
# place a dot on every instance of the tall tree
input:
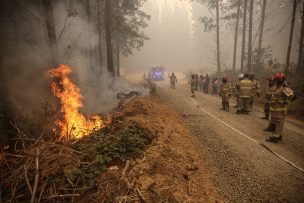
(249, 61)
(100, 33)
(293, 18)
(108, 25)
(301, 41)
(244, 35)
(236, 34)
(5, 105)
(5, 101)
(117, 58)
(128, 22)
(88, 13)
(261, 32)
(51, 30)
(210, 25)
(218, 56)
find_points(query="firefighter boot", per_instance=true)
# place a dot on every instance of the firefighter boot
(272, 139)
(270, 128)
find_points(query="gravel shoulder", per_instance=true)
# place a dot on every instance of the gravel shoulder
(242, 170)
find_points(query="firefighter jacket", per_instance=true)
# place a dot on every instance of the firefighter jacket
(255, 87)
(280, 98)
(244, 88)
(236, 87)
(225, 89)
(269, 92)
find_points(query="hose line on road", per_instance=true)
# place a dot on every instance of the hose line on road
(251, 139)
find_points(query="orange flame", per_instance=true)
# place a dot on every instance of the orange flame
(74, 125)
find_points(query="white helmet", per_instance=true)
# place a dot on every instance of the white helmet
(241, 75)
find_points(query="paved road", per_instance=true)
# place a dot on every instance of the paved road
(242, 169)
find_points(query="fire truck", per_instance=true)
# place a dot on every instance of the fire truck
(157, 72)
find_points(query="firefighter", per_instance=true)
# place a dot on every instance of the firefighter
(244, 95)
(236, 85)
(225, 93)
(192, 84)
(173, 80)
(255, 91)
(214, 85)
(278, 107)
(268, 94)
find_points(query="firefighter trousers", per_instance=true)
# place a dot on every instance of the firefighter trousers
(278, 119)
(243, 103)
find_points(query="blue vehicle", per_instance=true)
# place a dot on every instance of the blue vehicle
(157, 73)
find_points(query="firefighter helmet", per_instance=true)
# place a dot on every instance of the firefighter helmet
(280, 76)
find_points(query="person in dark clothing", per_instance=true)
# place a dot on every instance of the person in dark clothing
(208, 82)
(214, 85)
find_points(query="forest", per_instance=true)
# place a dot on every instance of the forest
(62, 133)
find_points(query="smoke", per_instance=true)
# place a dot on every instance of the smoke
(25, 51)
(173, 6)
(98, 88)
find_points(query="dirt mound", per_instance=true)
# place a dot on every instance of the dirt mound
(144, 154)
(171, 169)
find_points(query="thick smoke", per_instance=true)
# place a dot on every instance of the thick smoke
(27, 57)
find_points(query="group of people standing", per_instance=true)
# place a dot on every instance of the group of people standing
(245, 90)
(201, 83)
(277, 96)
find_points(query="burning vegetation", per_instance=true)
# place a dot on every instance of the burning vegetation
(74, 125)
(39, 167)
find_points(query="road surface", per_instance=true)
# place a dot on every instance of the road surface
(240, 167)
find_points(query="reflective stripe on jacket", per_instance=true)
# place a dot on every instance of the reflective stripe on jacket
(225, 89)
(281, 98)
(245, 87)
(255, 87)
(269, 93)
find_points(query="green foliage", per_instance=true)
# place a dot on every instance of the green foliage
(106, 148)
(128, 22)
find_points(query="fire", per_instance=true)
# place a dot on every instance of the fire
(74, 125)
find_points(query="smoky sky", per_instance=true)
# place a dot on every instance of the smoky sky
(180, 43)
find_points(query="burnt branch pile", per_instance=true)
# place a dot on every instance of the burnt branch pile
(36, 171)
(44, 169)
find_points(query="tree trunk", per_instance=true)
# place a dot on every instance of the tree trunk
(244, 35)
(117, 58)
(5, 103)
(261, 33)
(218, 57)
(236, 35)
(300, 57)
(5, 110)
(51, 30)
(99, 35)
(110, 64)
(249, 62)
(90, 57)
(294, 10)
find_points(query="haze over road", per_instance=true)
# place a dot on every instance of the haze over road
(241, 169)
